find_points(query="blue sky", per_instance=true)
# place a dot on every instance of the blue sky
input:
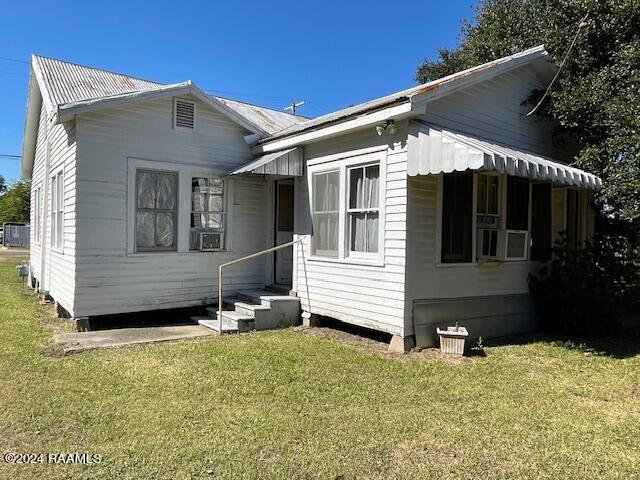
(330, 54)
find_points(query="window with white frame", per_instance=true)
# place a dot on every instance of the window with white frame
(156, 210)
(37, 206)
(487, 215)
(505, 239)
(57, 210)
(363, 209)
(325, 213)
(207, 209)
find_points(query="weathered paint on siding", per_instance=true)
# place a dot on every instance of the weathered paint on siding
(58, 278)
(493, 110)
(365, 295)
(113, 279)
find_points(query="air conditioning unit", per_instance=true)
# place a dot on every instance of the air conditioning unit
(515, 244)
(211, 242)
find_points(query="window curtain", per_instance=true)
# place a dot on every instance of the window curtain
(364, 195)
(156, 204)
(207, 208)
(325, 213)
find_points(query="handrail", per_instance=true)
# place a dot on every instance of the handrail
(242, 259)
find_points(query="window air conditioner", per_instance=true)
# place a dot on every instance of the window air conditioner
(211, 242)
(515, 245)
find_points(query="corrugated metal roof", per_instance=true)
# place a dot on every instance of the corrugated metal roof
(66, 82)
(271, 121)
(404, 95)
(286, 162)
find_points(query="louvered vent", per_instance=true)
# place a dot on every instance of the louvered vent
(185, 114)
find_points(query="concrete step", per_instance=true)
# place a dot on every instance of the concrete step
(228, 325)
(253, 310)
(278, 289)
(244, 322)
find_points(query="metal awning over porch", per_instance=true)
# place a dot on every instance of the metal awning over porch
(288, 163)
(434, 150)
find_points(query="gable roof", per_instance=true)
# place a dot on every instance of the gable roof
(413, 95)
(67, 88)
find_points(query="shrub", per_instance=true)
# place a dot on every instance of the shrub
(585, 291)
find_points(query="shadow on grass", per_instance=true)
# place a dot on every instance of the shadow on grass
(626, 344)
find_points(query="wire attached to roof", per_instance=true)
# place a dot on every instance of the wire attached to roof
(583, 24)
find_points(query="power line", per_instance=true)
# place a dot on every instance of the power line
(583, 24)
(10, 157)
(9, 59)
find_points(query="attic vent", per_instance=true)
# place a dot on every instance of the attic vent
(185, 114)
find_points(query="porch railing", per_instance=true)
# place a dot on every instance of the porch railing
(242, 259)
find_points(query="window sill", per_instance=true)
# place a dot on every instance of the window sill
(487, 263)
(349, 261)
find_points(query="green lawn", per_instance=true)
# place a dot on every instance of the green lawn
(286, 404)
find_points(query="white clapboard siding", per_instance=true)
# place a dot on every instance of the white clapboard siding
(494, 110)
(365, 295)
(427, 280)
(112, 279)
(58, 278)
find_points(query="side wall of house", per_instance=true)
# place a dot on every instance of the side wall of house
(491, 298)
(112, 277)
(58, 276)
(367, 295)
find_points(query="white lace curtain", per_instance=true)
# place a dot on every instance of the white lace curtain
(363, 208)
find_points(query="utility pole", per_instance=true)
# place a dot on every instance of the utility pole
(294, 106)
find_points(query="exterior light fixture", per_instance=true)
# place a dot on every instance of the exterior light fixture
(388, 127)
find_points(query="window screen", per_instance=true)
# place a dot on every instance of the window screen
(325, 200)
(457, 209)
(156, 210)
(517, 203)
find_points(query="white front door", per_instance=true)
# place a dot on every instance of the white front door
(284, 207)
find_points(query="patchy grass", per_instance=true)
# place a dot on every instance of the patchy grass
(286, 404)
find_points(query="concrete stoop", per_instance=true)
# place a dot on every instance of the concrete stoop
(254, 310)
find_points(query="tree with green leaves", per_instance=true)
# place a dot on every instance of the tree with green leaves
(3, 184)
(14, 202)
(596, 98)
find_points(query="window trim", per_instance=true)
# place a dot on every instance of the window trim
(342, 164)
(348, 211)
(57, 211)
(176, 228)
(37, 212)
(224, 229)
(502, 210)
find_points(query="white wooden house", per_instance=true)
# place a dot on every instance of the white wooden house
(415, 210)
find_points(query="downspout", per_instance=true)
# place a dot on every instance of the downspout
(45, 210)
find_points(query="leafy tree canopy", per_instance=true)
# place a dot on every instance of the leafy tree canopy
(596, 98)
(14, 202)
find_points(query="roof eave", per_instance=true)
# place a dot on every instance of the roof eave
(68, 111)
(32, 118)
(396, 111)
(417, 97)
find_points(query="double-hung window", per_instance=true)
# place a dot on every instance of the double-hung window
(488, 218)
(57, 210)
(347, 211)
(325, 213)
(156, 210)
(207, 209)
(363, 210)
